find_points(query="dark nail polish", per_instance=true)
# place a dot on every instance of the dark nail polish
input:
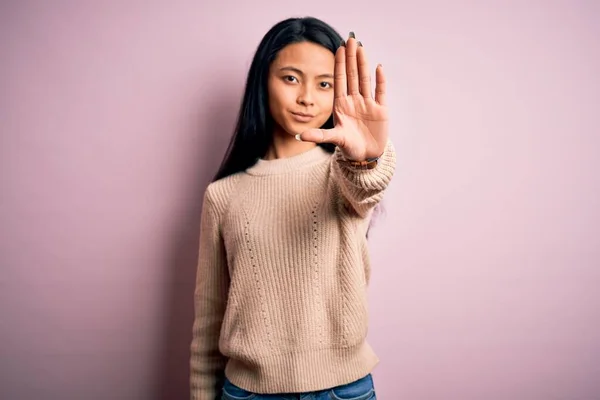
(360, 44)
(352, 35)
(343, 43)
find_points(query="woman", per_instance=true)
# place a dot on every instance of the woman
(280, 300)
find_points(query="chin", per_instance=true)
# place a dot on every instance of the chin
(294, 128)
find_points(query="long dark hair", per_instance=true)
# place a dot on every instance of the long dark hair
(254, 128)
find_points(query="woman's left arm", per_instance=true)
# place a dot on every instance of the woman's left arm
(365, 159)
(363, 186)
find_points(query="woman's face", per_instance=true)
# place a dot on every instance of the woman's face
(301, 87)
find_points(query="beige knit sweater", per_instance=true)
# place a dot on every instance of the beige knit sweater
(280, 299)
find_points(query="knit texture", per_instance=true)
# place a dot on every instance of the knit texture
(283, 269)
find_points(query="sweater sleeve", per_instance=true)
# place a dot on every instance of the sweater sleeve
(363, 189)
(207, 364)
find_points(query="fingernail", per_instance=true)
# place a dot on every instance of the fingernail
(380, 65)
(298, 138)
(360, 44)
(352, 35)
(343, 43)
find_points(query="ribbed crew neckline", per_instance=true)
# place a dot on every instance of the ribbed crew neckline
(289, 164)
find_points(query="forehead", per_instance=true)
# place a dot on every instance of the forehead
(307, 56)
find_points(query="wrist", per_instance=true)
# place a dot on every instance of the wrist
(369, 163)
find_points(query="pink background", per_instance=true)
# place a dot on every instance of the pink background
(486, 273)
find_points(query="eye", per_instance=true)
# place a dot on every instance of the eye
(290, 78)
(326, 85)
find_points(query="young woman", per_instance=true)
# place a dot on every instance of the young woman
(280, 300)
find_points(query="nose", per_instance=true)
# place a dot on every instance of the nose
(305, 96)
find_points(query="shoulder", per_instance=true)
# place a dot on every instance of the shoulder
(219, 193)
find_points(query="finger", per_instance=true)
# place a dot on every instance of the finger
(339, 73)
(380, 85)
(352, 66)
(332, 136)
(364, 75)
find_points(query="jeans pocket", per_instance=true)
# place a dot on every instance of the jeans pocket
(362, 389)
(233, 392)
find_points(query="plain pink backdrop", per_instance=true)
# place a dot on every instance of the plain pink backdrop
(115, 114)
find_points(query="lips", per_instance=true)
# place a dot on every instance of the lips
(302, 117)
(303, 114)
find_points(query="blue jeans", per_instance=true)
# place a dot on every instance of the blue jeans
(362, 389)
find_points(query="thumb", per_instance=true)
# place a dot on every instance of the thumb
(332, 136)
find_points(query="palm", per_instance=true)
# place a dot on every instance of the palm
(361, 120)
(362, 125)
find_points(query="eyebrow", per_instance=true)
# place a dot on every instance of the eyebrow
(298, 71)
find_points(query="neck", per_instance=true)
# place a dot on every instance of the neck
(285, 145)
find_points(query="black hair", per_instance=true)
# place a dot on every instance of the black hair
(253, 133)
